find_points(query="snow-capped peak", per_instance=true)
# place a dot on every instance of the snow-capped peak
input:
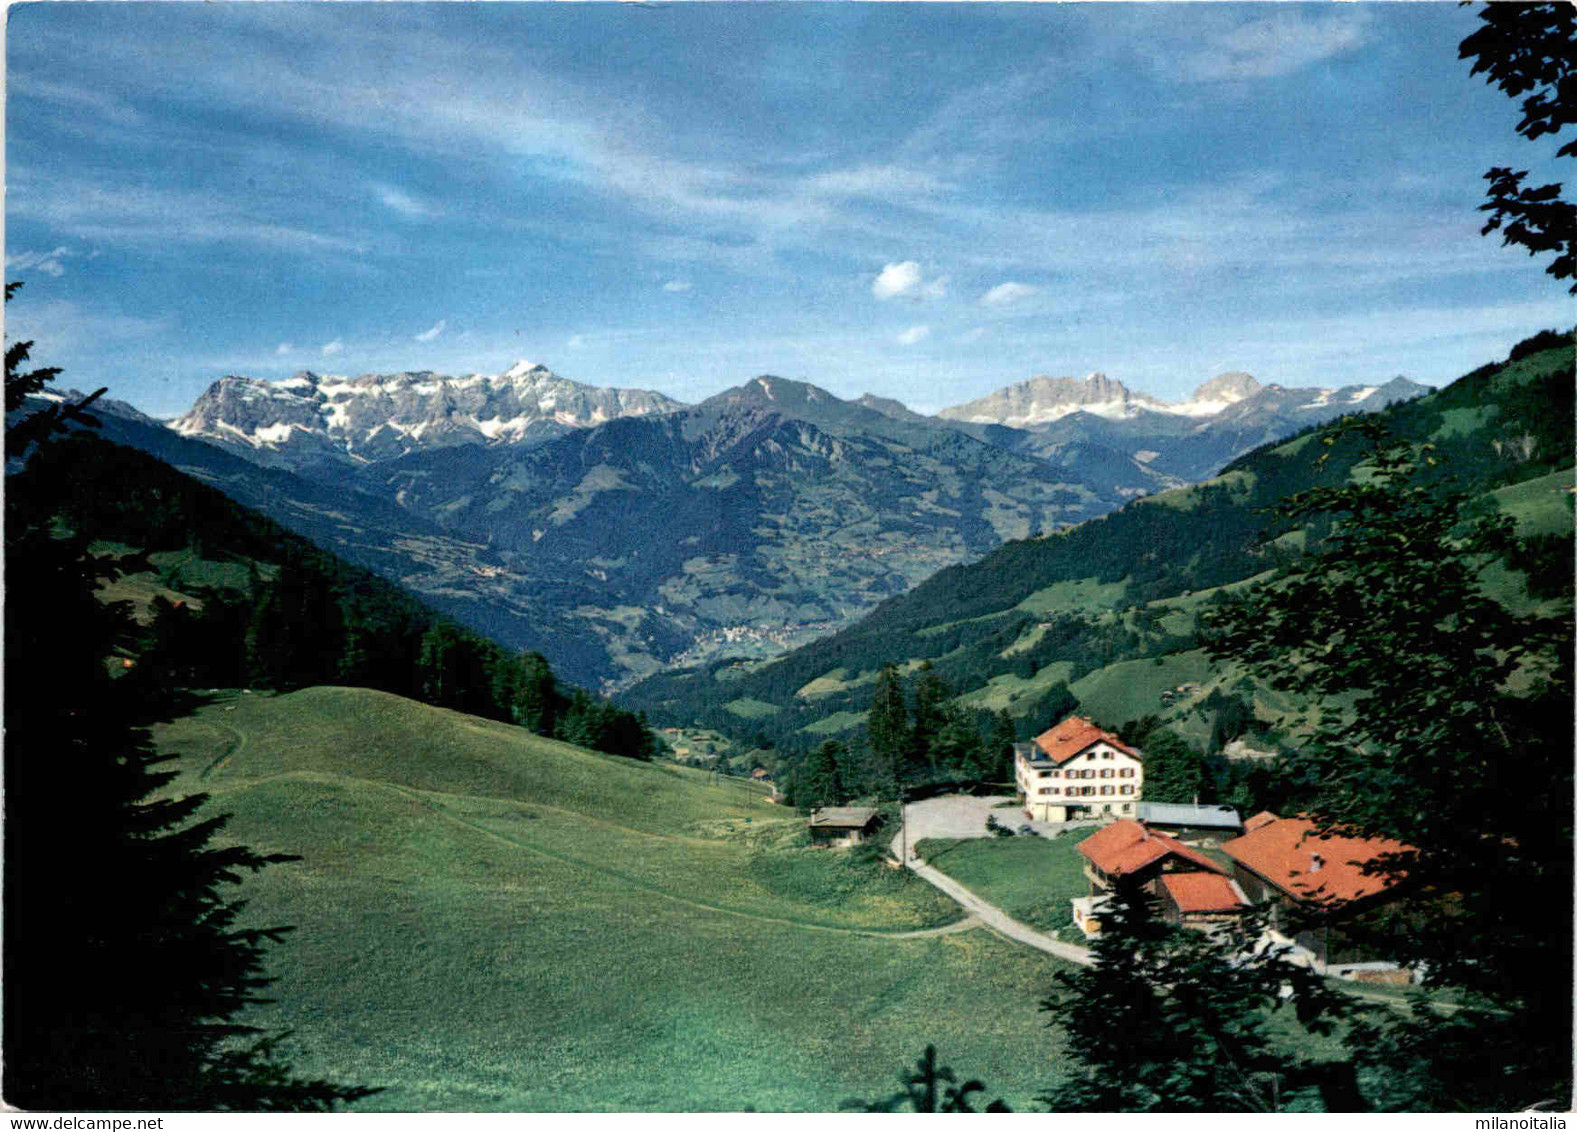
(524, 368)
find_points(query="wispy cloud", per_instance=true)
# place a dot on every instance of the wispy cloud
(676, 286)
(403, 202)
(914, 334)
(46, 262)
(161, 215)
(432, 332)
(1277, 44)
(1004, 293)
(283, 348)
(332, 348)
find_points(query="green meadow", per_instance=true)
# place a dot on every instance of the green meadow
(1032, 879)
(489, 921)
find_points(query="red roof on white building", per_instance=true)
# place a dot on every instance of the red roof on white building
(1075, 735)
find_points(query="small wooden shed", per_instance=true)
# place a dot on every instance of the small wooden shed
(843, 825)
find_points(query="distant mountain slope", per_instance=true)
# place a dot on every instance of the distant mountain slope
(618, 532)
(765, 513)
(1183, 441)
(312, 419)
(1016, 628)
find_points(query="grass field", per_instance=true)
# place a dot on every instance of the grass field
(1030, 878)
(1131, 689)
(1003, 692)
(488, 920)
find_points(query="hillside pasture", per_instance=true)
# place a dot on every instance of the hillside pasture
(492, 921)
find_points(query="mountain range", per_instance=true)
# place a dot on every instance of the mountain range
(619, 531)
(1103, 617)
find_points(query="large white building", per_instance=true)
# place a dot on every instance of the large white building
(1076, 770)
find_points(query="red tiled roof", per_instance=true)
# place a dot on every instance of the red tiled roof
(1073, 736)
(1284, 852)
(1126, 846)
(1264, 817)
(1203, 892)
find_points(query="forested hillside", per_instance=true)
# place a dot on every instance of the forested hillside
(1104, 615)
(224, 597)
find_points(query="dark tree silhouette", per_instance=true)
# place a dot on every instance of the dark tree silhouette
(1531, 50)
(1439, 701)
(929, 1087)
(1172, 1020)
(125, 967)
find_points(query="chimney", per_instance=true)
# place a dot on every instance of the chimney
(1316, 862)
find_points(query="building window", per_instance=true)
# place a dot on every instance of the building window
(1106, 773)
(1042, 773)
(1106, 789)
(1126, 790)
(1127, 806)
(1127, 772)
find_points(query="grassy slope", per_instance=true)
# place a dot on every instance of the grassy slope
(489, 920)
(1030, 878)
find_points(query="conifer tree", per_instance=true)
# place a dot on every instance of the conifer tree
(125, 969)
(1168, 1019)
(888, 728)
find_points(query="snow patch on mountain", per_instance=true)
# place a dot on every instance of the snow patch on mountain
(313, 417)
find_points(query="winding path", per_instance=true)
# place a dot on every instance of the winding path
(966, 817)
(996, 919)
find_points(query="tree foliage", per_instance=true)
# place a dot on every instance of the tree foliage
(1528, 51)
(126, 963)
(1168, 1019)
(929, 1087)
(1444, 722)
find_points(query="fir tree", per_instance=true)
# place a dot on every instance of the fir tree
(888, 729)
(125, 969)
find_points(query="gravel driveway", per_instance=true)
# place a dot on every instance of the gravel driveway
(958, 817)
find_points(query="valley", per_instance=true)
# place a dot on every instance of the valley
(621, 533)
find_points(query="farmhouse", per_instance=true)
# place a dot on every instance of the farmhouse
(1076, 770)
(842, 825)
(1327, 898)
(1191, 889)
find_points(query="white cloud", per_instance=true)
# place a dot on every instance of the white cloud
(676, 285)
(283, 348)
(1278, 44)
(332, 348)
(576, 342)
(434, 331)
(914, 334)
(878, 181)
(46, 262)
(1004, 293)
(402, 202)
(907, 280)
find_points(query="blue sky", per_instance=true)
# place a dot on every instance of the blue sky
(923, 201)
